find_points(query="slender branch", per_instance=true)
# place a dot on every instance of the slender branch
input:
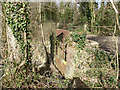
(116, 11)
(117, 37)
(1, 15)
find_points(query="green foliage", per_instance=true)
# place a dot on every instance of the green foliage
(67, 15)
(50, 13)
(17, 17)
(85, 12)
(112, 81)
(80, 39)
(104, 17)
(101, 59)
(70, 26)
(99, 65)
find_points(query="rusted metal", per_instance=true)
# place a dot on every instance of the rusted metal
(60, 57)
(65, 34)
(64, 24)
(64, 52)
(60, 31)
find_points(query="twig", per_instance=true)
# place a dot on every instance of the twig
(1, 15)
(116, 11)
(2, 77)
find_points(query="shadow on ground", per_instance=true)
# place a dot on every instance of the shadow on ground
(106, 43)
(77, 83)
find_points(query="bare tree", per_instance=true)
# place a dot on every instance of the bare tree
(117, 22)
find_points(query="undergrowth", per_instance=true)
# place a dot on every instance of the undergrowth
(79, 39)
(34, 80)
(102, 67)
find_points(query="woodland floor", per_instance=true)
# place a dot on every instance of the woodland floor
(106, 43)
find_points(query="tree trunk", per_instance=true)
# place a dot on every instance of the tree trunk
(117, 21)
(0, 25)
(92, 16)
(75, 13)
(13, 47)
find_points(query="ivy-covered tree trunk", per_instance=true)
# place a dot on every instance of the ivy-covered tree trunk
(13, 54)
(13, 47)
(1, 70)
(16, 16)
(18, 45)
(0, 23)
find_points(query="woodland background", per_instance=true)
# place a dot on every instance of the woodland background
(25, 32)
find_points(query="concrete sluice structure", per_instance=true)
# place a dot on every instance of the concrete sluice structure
(65, 56)
(73, 62)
